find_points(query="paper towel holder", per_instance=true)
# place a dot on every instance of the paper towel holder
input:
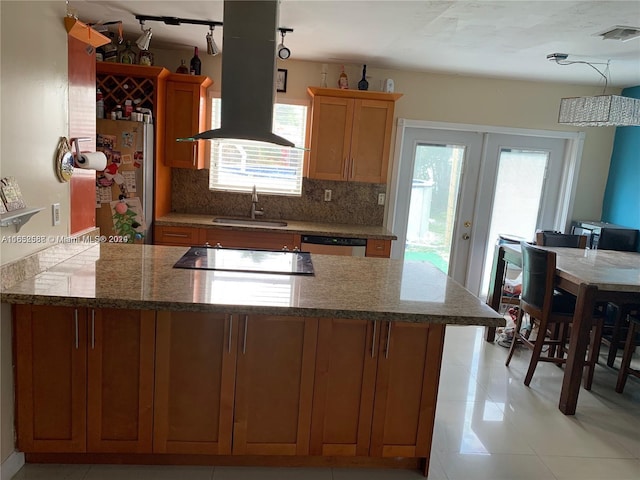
(75, 142)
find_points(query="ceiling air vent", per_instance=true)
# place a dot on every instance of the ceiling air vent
(620, 33)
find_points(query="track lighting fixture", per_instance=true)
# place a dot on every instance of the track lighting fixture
(283, 52)
(143, 40)
(212, 48)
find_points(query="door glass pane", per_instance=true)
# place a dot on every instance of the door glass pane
(433, 202)
(517, 198)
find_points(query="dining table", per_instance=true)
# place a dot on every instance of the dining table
(591, 275)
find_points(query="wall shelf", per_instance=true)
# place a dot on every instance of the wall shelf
(19, 217)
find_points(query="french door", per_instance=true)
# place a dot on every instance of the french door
(455, 191)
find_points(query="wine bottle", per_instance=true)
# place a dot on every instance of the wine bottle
(363, 84)
(195, 63)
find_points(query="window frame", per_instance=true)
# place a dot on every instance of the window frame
(305, 156)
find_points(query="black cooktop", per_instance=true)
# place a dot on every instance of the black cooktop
(247, 260)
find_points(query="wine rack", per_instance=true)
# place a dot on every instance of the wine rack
(121, 82)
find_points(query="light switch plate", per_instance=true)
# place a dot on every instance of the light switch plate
(55, 214)
(327, 195)
(381, 198)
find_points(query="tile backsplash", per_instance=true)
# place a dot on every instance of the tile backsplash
(351, 202)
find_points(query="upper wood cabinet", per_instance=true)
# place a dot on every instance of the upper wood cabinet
(350, 134)
(186, 116)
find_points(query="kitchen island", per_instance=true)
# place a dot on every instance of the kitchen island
(122, 358)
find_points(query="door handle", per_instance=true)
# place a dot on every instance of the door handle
(465, 236)
(386, 347)
(244, 340)
(75, 318)
(373, 338)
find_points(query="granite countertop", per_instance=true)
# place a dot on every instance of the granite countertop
(143, 277)
(293, 226)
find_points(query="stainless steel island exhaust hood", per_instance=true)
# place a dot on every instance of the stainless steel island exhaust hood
(248, 70)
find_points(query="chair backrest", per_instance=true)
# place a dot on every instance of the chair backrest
(553, 239)
(538, 277)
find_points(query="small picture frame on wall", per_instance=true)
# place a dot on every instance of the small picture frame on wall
(281, 80)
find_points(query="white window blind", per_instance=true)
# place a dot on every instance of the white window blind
(238, 165)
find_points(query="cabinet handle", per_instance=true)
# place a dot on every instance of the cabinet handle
(386, 347)
(230, 330)
(93, 329)
(195, 153)
(181, 235)
(373, 338)
(244, 341)
(75, 318)
(351, 173)
(346, 167)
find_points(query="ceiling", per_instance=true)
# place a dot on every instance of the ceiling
(507, 39)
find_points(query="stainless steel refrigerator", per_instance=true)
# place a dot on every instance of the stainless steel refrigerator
(124, 189)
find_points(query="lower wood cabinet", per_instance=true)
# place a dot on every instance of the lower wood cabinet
(409, 356)
(195, 377)
(344, 389)
(51, 378)
(129, 381)
(251, 239)
(84, 379)
(274, 385)
(374, 392)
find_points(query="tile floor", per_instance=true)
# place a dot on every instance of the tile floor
(488, 426)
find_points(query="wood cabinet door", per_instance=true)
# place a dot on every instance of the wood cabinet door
(371, 140)
(251, 239)
(406, 389)
(345, 376)
(120, 357)
(195, 375)
(51, 376)
(378, 248)
(183, 120)
(330, 138)
(274, 385)
(177, 236)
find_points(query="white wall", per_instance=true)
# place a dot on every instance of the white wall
(33, 98)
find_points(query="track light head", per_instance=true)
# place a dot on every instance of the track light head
(144, 40)
(212, 48)
(283, 52)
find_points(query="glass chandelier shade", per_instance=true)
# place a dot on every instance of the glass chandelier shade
(600, 111)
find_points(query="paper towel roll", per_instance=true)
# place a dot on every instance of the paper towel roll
(92, 160)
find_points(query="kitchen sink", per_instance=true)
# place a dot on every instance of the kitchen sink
(249, 222)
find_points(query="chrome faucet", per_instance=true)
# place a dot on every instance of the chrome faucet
(255, 212)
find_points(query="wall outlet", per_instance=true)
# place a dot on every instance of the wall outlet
(381, 198)
(55, 214)
(327, 195)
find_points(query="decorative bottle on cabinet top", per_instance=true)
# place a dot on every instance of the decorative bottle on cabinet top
(343, 80)
(363, 84)
(182, 68)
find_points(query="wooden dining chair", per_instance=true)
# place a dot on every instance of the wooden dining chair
(556, 239)
(548, 308)
(629, 347)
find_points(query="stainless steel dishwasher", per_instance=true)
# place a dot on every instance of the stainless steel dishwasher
(354, 247)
